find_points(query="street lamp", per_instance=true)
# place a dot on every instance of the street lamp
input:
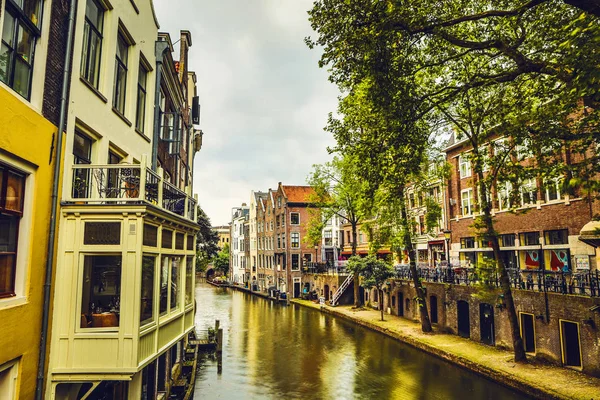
(447, 237)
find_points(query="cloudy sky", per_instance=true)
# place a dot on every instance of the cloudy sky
(264, 99)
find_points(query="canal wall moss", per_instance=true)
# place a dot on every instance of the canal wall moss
(535, 379)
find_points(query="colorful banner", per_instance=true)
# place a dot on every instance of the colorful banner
(532, 259)
(559, 260)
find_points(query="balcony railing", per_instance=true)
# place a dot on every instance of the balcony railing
(328, 268)
(578, 283)
(128, 184)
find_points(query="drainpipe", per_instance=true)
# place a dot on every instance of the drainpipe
(160, 46)
(54, 204)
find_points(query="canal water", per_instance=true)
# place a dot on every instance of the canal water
(274, 351)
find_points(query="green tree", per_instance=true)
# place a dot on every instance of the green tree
(207, 242)
(339, 191)
(221, 260)
(375, 274)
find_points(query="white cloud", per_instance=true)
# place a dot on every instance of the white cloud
(264, 99)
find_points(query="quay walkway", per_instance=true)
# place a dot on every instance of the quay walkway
(533, 378)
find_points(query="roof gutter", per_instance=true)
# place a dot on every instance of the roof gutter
(39, 389)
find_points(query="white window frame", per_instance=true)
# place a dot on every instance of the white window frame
(555, 182)
(24, 236)
(504, 190)
(469, 199)
(9, 388)
(532, 186)
(464, 167)
(523, 151)
(292, 235)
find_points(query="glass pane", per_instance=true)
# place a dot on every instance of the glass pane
(94, 61)
(5, 63)
(122, 49)
(147, 296)
(94, 14)
(7, 274)
(119, 102)
(25, 42)
(174, 283)
(8, 30)
(82, 149)
(142, 77)
(164, 283)
(141, 108)
(21, 78)
(84, 51)
(14, 192)
(101, 291)
(8, 233)
(189, 280)
(32, 10)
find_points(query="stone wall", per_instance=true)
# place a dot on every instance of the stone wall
(577, 309)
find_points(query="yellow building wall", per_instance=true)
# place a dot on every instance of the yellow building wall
(26, 139)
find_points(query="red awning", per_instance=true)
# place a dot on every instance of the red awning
(436, 242)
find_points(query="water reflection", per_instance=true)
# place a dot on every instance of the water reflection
(274, 351)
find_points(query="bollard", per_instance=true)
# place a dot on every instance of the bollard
(217, 325)
(220, 340)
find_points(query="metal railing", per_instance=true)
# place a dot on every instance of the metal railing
(334, 268)
(127, 184)
(583, 283)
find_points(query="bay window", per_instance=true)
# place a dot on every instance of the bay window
(147, 294)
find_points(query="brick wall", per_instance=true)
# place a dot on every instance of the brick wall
(55, 62)
(547, 333)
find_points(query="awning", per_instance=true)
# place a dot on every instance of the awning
(434, 242)
(590, 233)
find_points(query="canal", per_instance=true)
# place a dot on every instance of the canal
(275, 351)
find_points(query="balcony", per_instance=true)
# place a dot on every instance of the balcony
(124, 184)
(334, 268)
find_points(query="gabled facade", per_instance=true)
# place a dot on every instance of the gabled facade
(126, 248)
(238, 260)
(32, 65)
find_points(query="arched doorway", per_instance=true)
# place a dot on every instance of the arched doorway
(464, 323)
(210, 274)
(326, 292)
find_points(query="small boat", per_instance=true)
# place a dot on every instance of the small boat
(183, 385)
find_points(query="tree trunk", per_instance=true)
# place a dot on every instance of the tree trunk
(490, 235)
(357, 302)
(381, 302)
(424, 314)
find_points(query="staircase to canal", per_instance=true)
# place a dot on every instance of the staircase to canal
(340, 291)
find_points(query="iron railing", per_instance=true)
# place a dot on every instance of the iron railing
(333, 268)
(584, 283)
(127, 184)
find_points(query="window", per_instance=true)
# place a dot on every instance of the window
(504, 195)
(279, 202)
(467, 243)
(278, 241)
(295, 262)
(411, 200)
(528, 192)
(277, 219)
(422, 230)
(92, 42)
(189, 280)
(467, 201)
(552, 187)
(101, 291)
(530, 238)
(20, 31)
(328, 238)
(164, 285)
(140, 114)
(524, 150)
(120, 74)
(147, 295)
(507, 240)
(559, 236)
(295, 218)
(464, 165)
(12, 191)
(82, 153)
(9, 374)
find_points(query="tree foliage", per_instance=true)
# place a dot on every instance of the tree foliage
(375, 273)
(221, 260)
(207, 241)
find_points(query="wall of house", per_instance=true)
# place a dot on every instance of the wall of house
(571, 308)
